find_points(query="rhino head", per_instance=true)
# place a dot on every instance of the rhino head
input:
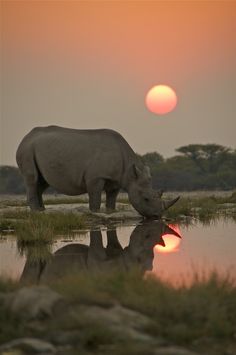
(142, 196)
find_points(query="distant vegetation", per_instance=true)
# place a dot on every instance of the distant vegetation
(11, 181)
(195, 167)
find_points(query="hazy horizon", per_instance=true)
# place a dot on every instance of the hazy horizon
(89, 64)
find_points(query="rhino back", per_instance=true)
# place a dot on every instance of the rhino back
(70, 157)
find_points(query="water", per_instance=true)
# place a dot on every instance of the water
(153, 247)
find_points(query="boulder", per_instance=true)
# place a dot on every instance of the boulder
(34, 302)
(123, 321)
(173, 350)
(27, 345)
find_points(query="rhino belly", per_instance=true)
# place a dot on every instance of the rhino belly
(63, 176)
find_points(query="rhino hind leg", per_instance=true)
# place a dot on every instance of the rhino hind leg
(95, 188)
(33, 187)
(42, 186)
(33, 196)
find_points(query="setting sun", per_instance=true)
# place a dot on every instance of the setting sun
(171, 241)
(161, 99)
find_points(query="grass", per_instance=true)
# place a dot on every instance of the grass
(184, 316)
(36, 234)
(7, 285)
(204, 208)
(41, 253)
(32, 227)
(6, 225)
(15, 214)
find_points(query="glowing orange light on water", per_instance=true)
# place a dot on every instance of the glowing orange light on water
(161, 99)
(171, 241)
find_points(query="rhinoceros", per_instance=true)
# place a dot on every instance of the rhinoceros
(75, 162)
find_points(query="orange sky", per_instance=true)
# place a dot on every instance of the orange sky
(90, 64)
(136, 38)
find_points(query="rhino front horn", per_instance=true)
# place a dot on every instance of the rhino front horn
(169, 230)
(168, 204)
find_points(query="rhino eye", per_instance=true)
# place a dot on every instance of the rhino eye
(146, 199)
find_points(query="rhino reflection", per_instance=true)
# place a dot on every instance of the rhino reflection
(95, 257)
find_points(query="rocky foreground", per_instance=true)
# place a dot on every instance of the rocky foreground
(39, 306)
(39, 320)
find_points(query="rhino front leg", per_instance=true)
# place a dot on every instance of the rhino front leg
(111, 197)
(96, 253)
(95, 189)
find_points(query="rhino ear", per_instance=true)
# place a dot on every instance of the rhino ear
(136, 171)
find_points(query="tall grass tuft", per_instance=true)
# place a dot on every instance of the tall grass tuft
(41, 228)
(37, 228)
(35, 254)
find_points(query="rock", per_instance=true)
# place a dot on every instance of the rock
(70, 337)
(173, 350)
(28, 345)
(117, 315)
(13, 352)
(125, 322)
(123, 212)
(33, 302)
(77, 208)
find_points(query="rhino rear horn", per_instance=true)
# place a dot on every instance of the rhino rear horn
(160, 192)
(136, 171)
(168, 204)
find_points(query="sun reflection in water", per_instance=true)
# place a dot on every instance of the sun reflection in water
(171, 241)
